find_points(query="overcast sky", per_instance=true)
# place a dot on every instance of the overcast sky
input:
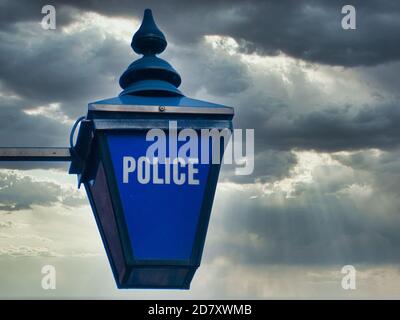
(324, 104)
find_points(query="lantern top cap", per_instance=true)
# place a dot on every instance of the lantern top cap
(150, 75)
(148, 40)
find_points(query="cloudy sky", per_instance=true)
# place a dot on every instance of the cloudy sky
(324, 104)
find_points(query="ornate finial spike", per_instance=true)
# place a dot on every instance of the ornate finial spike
(148, 40)
(150, 75)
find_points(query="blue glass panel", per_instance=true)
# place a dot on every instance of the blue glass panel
(161, 218)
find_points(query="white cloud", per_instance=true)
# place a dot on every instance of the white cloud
(52, 111)
(118, 28)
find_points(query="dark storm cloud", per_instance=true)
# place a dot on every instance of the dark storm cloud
(335, 232)
(47, 67)
(309, 30)
(326, 130)
(39, 68)
(71, 69)
(384, 167)
(347, 215)
(21, 130)
(270, 165)
(309, 119)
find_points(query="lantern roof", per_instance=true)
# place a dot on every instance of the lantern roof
(150, 75)
(182, 101)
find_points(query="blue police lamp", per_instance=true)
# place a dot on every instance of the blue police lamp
(152, 214)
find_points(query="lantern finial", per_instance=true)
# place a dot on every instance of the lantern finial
(148, 40)
(150, 75)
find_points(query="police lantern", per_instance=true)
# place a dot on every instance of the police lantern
(152, 212)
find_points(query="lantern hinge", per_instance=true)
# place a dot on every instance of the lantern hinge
(81, 151)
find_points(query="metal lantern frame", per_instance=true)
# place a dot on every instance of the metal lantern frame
(124, 115)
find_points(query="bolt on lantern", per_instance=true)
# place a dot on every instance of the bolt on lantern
(153, 229)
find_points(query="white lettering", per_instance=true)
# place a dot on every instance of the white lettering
(128, 166)
(182, 171)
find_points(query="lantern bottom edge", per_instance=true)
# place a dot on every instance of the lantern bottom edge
(157, 277)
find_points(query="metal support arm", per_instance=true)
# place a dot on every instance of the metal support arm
(35, 154)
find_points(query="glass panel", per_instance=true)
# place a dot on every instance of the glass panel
(105, 216)
(162, 215)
